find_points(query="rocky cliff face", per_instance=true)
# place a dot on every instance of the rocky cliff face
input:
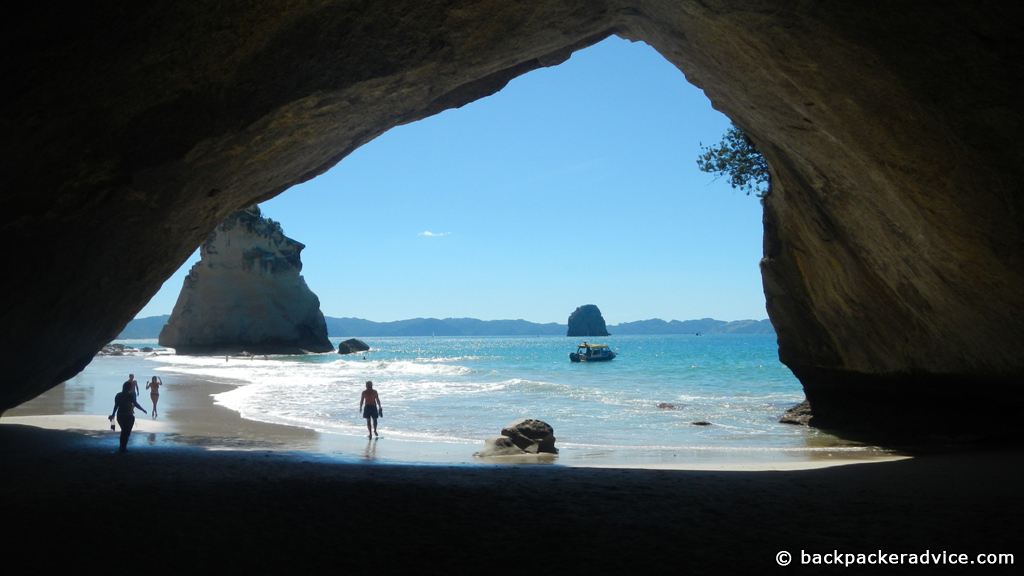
(894, 236)
(587, 320)
(246, 294)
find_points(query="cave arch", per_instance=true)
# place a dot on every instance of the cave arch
(616, 125)
(893, 237)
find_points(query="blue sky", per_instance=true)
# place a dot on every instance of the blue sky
(573, 185)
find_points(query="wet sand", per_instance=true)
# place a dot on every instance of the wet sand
(188, 417)
(210, 492)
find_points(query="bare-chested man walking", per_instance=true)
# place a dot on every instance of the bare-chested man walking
(369, 405)
(135, 385)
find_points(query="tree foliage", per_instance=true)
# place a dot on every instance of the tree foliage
(736, 156)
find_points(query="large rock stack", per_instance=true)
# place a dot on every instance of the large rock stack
(587, 321)
(246, 295)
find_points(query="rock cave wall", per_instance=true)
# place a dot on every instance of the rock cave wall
(893, 234)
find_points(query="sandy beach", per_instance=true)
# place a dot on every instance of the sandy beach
(202, 489)
(188, 416)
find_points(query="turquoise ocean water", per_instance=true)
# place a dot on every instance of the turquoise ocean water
(464, 389)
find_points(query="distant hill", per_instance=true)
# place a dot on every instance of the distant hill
(357, 327)
(144, 327)
(703, 326)
(446, 327)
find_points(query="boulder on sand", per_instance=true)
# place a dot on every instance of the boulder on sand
(523, 436)
(533, 436)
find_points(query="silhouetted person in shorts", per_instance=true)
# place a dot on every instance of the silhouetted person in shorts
(124, 408)
(369, 405)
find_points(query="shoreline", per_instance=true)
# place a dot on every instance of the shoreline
(271, 511)
(204, 489)
(189, 417)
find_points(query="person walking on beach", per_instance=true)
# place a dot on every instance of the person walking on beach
(154, 391)
(369, 405)
(124, 408)
(134, 384)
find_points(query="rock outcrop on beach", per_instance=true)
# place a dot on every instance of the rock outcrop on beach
(351, 346)
(522, 436)
(499, 446)
(123, 350)
(892, 233)
(116, 350)
(800, 415)
(246, 295)
(533, 436)
(587, 321)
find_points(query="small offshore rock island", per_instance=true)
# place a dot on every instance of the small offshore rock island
(587, 320)
(246, 295)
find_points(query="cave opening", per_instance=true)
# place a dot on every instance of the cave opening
(574, 184)
(495, 210)
(889, 274)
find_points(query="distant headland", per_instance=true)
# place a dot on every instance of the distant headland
(145, 328)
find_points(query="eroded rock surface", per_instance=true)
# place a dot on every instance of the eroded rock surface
(532, 435)
(246, 295)
(521, 437)
(894, 235)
